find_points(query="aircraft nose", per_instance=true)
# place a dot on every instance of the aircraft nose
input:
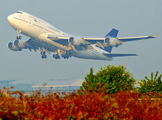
(9, 18)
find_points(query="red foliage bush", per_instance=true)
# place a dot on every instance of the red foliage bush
(77, 105)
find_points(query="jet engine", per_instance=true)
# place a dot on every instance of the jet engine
(74, 41)
(112, 42)
(12, 47)
(107, 41)
(77, 41)
(19, 44)
(71, 40)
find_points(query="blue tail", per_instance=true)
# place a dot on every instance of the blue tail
(106, 48)
(113, 33)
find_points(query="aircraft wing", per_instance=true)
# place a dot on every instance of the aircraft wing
(127, 39)
(31, 45)
(122, 39)
(60, 40)
(94, 40)
(64, 40)
(112, 34)
(119, 55)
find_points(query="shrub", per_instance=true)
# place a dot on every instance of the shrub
(151, 85)
(109, 79)
(51, 106)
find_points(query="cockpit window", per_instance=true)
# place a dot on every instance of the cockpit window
(19, 12)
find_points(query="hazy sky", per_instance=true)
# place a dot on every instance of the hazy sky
(84, 18)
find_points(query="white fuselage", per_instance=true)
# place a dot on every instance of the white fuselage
(38, 30)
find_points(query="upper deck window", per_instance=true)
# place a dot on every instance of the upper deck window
(19, 12)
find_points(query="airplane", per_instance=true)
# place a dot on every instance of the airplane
(47, 38)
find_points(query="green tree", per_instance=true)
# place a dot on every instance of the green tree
(150, 85)
(109, 79)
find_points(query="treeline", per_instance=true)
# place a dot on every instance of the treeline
(108, 94)
(110, 79)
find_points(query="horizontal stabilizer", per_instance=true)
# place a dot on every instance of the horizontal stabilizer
(119, 55)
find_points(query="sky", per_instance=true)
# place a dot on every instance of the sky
(83, 18)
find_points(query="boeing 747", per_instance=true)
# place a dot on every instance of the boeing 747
(46, 38)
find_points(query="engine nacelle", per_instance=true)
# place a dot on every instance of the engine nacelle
(71, 40)
(74, 41)
(107, 41)
(19, 44)
(112, 42)
(12, 47)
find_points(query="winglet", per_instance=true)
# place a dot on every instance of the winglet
(156, 35)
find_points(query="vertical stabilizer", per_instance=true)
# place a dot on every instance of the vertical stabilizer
(113, 33)
(108, 49)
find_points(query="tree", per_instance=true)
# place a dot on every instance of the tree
(109, 79)
(151, 85)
